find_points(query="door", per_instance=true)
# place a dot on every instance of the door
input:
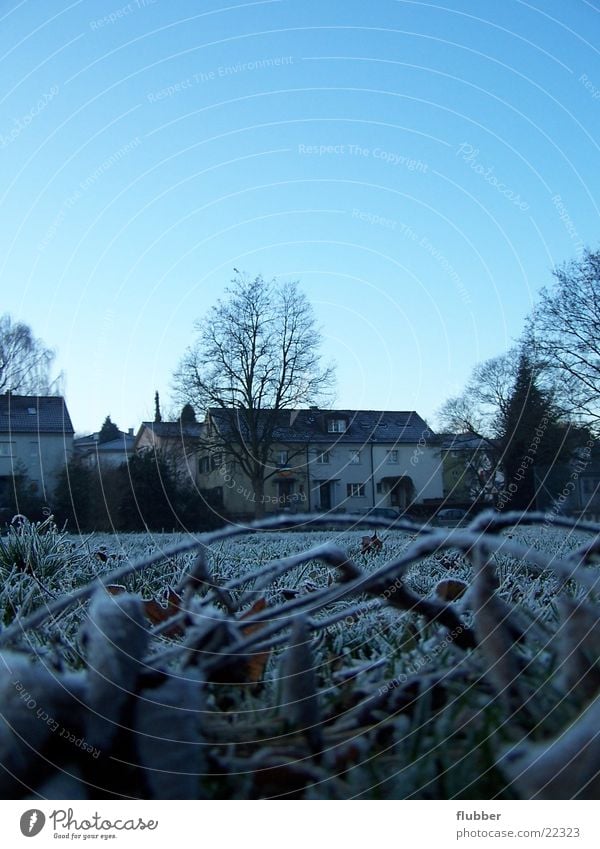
(401, 493)
(286, 489)
(325, 495)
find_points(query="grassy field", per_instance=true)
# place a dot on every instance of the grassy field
(257, 670)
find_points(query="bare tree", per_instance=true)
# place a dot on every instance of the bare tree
(510, 403)
(481, 411)
(566, 328)
(256, 355)
(25, 362)
(480, 407)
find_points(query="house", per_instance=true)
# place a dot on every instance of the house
(470, 468)
(327, 460)
(366, 458)
(224, 484)
(36, 440)
(110, 454)
(177, 442)
(570, 488)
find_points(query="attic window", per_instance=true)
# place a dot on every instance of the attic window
(32, 411)
(336, 426)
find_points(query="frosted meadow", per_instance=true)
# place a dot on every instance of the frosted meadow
(444, 664)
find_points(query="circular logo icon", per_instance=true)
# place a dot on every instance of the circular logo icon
(32, 822)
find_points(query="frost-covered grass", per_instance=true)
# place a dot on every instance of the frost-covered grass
(366, 693)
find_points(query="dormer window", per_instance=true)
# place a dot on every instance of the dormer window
(336, 426)
(32, 411)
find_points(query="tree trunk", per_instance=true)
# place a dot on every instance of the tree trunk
(258, 484)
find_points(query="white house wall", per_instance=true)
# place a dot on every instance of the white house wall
(420, 463)
(340, 472)
(42, 455)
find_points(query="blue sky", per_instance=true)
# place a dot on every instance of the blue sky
(419, 167)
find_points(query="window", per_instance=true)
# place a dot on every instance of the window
(204, 465)
(354, 457)
(336, 426)
(355, 490)
(34, 450)
(323, 457)
(217, 461)
(392, 456)
(282, 458)
(589, 485)
(6, 449)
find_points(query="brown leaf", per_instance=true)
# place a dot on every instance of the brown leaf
(258, 606)
(255, 664)
(154, 611)
(157, 613)
(451, 589)
(368, 544)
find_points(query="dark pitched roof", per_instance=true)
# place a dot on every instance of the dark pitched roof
(376, 426)
(464, 442)
(124, 442)
(34, 414)
(175, 430)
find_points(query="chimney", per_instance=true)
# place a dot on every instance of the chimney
(130, 431)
